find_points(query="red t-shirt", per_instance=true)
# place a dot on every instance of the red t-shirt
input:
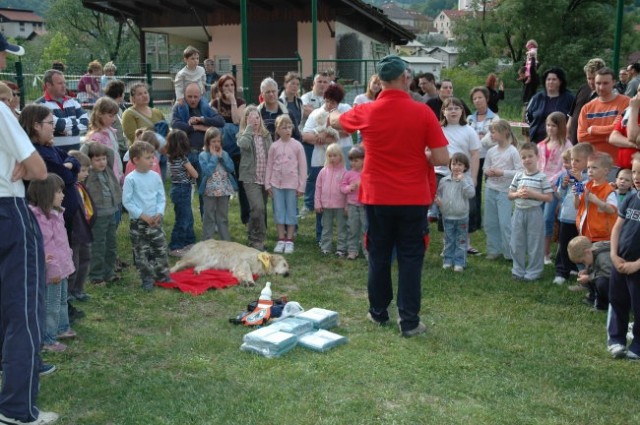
(625, 154)
(395, 131)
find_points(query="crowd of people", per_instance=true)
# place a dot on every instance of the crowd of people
(572, 180)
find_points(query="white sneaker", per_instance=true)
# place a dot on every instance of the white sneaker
(43, 419)
(446, 266)
(279, 249)
(547, 261)
(618, 351)
(632, 356)
(458, 269)
(559, 280)
(288, 247)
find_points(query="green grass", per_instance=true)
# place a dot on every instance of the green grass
(497, 352)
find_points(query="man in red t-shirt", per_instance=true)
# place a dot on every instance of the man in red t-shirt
(625, 133)
(394, 186)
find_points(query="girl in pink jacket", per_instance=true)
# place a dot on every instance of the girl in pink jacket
(331, 202)
(285, 181)
(45, 199)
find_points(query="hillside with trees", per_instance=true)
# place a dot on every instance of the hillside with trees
(567, 31)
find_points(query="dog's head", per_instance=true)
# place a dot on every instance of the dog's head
(279, 265)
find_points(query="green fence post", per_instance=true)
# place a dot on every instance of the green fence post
(149, 83)
(314, 37)
(20, 82)
(246, 73)
(297, 54)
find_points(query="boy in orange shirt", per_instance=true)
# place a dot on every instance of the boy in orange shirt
(597, 205)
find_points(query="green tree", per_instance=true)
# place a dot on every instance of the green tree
(94, 35)
(434, 7)
(57, 48)
(568, 32)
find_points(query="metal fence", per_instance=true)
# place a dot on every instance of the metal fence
(353, 74)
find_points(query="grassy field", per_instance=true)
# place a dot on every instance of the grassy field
(496, 352)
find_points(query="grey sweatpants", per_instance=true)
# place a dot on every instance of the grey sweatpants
(527, 239)
(216, 214)
(329, 215)
(357, 225)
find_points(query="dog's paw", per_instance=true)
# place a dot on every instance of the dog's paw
(198, 270)
(249, 283)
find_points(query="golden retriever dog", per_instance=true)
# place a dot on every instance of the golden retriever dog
(242, 261)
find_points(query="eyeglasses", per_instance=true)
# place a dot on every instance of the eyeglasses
(16, 93)
(46, 122)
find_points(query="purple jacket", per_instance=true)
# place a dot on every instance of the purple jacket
(328, 194)
(286, 166)
(58, 255)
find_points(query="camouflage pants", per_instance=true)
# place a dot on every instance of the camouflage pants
(149, 251)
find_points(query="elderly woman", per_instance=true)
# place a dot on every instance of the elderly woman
(271, 108)
(554, 98)
(109, 75)
(315, 133)
(480, 121)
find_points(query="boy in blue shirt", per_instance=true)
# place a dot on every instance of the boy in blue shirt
(143, 196)
(624, 286)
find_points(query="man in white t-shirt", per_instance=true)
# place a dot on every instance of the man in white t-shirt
(22, 270)
(312, 100)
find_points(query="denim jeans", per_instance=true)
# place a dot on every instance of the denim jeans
(550, 216)
(456, 233)
(309, 190)
(57, 313)
(284, 204)
(182, 234)
(403, 227)
(624, 298)
(497, 222)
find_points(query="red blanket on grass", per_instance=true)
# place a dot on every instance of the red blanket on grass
(196, 284)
